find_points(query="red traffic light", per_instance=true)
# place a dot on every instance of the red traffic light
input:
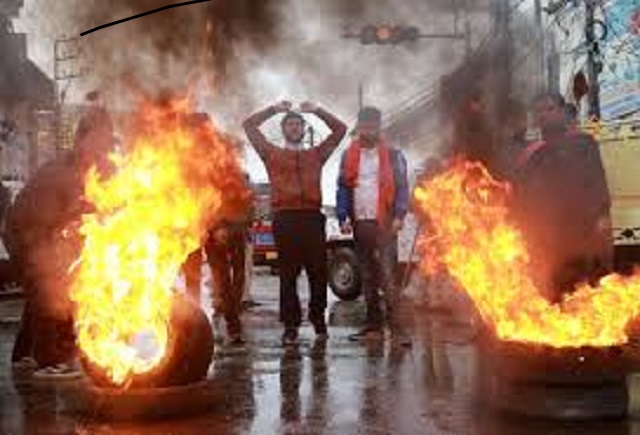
(383, 34)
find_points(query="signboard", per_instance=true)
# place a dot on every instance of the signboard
(620, 78)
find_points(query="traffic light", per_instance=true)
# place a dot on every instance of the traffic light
(383, 34)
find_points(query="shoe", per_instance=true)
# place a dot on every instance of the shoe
(367, 334)
(323, 336)
(217, 327)
(290, 337)
(24, 363)
(247, 305)
(320, 328)
(236, 339)
(400, 338)
(57, 372)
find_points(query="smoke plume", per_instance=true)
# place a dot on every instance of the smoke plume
(252, 52)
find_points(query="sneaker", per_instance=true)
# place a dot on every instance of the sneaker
(57, 372)
(24, 363)
(290, 337)
(367, 334)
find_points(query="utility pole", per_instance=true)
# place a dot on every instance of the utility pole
(542, 48)
(467, 39)
(593, 63)
(503, 51)
(66, 52)
(467, 28)
(384, 34)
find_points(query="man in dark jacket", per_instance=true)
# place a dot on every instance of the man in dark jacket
(43, 250)
(563, 203)
(372, 199)
(298, 223)
(34, 224)
(7, 271)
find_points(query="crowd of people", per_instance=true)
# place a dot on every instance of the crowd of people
(561, 202)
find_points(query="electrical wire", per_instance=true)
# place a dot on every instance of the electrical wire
(427, 95)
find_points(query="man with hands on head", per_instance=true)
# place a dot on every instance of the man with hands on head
(296, 200)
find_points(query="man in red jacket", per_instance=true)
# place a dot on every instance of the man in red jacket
(298, 224)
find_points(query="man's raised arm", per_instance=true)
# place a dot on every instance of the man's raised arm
(337, 127)
(252, 127)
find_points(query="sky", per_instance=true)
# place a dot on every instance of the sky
(309, 60)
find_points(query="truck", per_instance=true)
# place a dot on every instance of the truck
(262, 239)
(620, 150)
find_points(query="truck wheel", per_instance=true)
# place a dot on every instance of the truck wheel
(344, 274)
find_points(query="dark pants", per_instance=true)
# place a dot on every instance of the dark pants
(227, 261)
(47, 338)
(192, 268)
(377, 253)
(23, 345)
(226, 258)
(301, 243)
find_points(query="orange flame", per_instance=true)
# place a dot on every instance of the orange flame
(486, 254)
(167, 189)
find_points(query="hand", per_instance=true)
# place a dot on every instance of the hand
(345, 228)
(282, 106)
(308, 107)
(397, 225)
(603, 226)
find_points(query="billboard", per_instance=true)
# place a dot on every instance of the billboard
(620, 77)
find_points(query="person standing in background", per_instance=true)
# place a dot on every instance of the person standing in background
(372, 201)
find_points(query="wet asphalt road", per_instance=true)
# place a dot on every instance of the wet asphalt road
(336, 388)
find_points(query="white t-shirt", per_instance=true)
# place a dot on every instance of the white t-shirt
(366, 192)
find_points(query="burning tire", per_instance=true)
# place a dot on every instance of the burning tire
(558, 383)
(188, 357)
(344, 275)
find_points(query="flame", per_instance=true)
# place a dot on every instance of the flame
(167, 188)
(486, 254)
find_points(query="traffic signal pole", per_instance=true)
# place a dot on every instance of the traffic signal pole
(593, 65)
(394, 35)
(542, 49)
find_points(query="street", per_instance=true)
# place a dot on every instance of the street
(337, 388)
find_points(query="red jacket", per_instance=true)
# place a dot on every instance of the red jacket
(295, 175)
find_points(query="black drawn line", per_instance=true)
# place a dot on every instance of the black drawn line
(142, 15)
